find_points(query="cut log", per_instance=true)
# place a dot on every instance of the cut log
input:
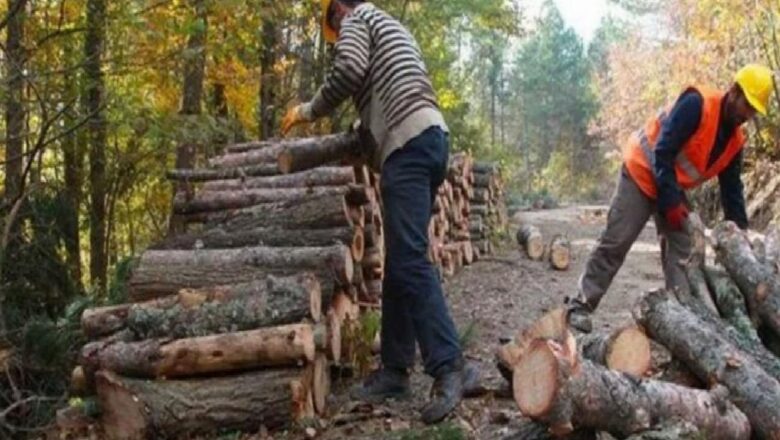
(626, 349)
(141, 409)
(269, 143)
(285, 346)
(730, 302)
(272, 301)
(212, 201)
(556, 387)
(560, 253)
(484, 180)
(756, 281)
(103, 321)
(314, 154)
(166, 272)
(78, 382)
(713, 359)
(530, 240)
(322, 176)
(320, 387)
(205, 175)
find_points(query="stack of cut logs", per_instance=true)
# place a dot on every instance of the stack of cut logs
(488, 209)
(278, 249)
(723, 380)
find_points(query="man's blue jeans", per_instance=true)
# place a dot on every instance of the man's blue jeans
(413, 307)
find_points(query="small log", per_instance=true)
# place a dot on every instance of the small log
(284, 346)
(269, 302)
(328, 149)
(713, 359)
(103, 321)
(626, 349)
(267, 151)
(467, 251)
(317, 177)
(78, 382)
(530, 240)
(162, 273)
(320, 387)
(140, 409)
(206, 175)
(481, 196)
(484, 180)
(560, 253)
(556, 387)
(756, 281)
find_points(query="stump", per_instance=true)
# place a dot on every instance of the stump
(530, 240)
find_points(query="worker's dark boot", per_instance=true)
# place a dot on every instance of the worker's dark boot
(579, 315)
(448, 389)
(382, 384)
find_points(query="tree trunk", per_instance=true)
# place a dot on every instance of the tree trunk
(141, 409)
(285, 346)
(713, 359)
(556, 387)
(322, 176)
(274, 301)
(73, 163)
(166, 272)
(211, 201)
(530, 240)
(93, 102)
(560, 253)
(756, 281)
(269, 82)
(327, 149)
(206, 175)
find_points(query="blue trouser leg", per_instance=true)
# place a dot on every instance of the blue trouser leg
(413, 306)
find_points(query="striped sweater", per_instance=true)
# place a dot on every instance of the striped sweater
(379, 64)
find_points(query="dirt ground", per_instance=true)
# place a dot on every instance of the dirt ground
(497, 296)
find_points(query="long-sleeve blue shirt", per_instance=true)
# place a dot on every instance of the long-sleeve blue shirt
(681, 123)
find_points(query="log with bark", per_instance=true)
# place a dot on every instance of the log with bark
(257, 153)
(310, 155)
(165, 272)
(560, 253)
(714, 359)
(322, 176)
(555, 386)
(208, 174)
(530, 240)
(141, 409)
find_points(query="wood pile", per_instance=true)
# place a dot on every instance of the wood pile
(488, 213)
(721, 335)
(236, 317)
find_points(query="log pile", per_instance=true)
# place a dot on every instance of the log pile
(276, 250)
(723, 381)
(488, 213)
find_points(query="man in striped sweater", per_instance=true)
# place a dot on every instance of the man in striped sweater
(379, 65)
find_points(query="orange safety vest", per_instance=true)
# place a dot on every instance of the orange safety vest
(691, 164)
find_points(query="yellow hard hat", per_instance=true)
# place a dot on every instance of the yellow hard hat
(328, 32)
(757, 84)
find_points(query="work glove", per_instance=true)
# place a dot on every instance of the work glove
(676, 215)
(295, 116)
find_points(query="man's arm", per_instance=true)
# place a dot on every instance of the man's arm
(732, 193)
(348, 72)
(677, 128)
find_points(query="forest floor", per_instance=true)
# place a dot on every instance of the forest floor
(495, 297)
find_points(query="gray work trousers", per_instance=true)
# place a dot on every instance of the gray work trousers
(629, 211)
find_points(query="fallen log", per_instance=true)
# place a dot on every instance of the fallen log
(730, 303)
(140, 409)
(713, 359)
(530, 240)
(285, 346)
(560, 253)
(556, 387)
(310, 155)
(756, 281)
(205, 175)
(322, 176)
(162, 273)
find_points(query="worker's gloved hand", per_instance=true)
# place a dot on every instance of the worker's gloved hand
(294, 116)
(676, 215)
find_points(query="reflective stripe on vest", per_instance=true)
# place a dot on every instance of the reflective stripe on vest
(681, 160)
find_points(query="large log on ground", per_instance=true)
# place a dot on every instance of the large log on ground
(327, 149)
(322, 176)
(166, 272)
(713, 359)
(273, 301)
(730, 302)
(555, 386)
(205, 175)
(756, 281)
(560, 253)
(289, 345)
(530, 240)
(140, 409)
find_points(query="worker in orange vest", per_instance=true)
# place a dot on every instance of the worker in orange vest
(696, 139)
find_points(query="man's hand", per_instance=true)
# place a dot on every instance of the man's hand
(293, 117)
(676, 215)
